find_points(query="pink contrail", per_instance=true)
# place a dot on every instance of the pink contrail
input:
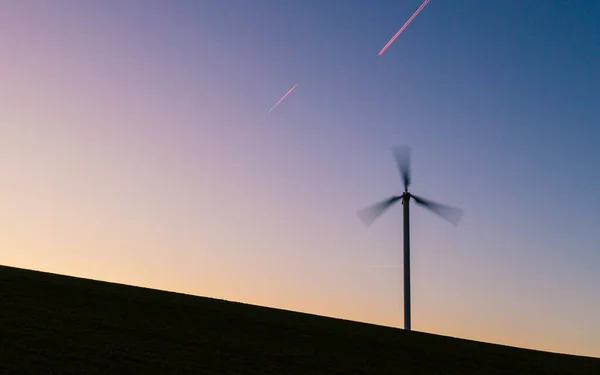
(285, 96)
(403, 27)
(373, 265)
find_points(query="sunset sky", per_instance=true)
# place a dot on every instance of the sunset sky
(137, 146)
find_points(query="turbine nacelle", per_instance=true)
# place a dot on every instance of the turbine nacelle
(405, 197)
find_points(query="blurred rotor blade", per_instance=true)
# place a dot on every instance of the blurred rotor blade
(369, 214)
(402, 156)
(452, 214)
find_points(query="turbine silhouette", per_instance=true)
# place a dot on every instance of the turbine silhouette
(370, 214)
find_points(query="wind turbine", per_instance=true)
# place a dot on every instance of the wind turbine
(369, 214)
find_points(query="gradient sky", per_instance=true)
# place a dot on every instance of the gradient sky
(136, 147)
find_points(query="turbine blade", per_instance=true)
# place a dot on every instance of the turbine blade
(369, 214)
(402, 157)
(452, 214)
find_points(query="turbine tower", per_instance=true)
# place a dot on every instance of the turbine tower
(369, 214)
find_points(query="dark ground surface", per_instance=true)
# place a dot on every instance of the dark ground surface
(52, 324)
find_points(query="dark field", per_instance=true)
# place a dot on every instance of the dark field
(53, 324)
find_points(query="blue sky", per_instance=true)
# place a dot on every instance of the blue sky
(142, 127)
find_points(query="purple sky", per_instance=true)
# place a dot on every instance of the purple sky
(136, 147)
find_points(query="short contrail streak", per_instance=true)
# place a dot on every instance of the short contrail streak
(373, 265)
(403, 27)
(285, 96)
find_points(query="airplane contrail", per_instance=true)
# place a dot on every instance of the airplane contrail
(403, 27)
(373, 265)
(283, 97)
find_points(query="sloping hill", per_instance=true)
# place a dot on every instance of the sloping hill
(58, 324)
